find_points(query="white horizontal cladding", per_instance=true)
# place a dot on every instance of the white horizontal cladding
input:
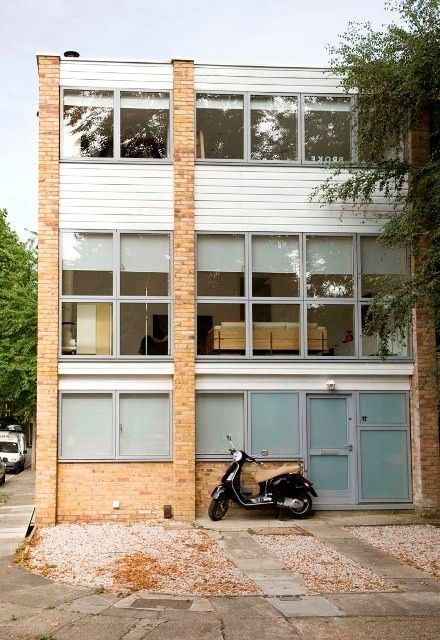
(265, 79)
(117, 383)
(120, 368)
(300, 375)
(116, 75)
(276, 198)
(116, 196)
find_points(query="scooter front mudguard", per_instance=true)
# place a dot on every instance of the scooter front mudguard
(219, 492)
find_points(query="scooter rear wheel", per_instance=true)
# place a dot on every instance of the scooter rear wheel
(218, 509)
(305, 510)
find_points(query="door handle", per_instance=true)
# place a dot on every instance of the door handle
(120, 428)
(349, 447)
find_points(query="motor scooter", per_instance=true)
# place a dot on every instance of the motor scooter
(284, 488)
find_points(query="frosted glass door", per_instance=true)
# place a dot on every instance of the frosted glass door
(330, 449)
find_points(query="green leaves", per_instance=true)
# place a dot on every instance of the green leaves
(396, 72)
(18, 321)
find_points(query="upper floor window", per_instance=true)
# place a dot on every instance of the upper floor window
(88, 124)
(219, 126)
(327, 129)
(116, 124)
(274, 128)
(268, 127)
(285, 295)
(115, 294)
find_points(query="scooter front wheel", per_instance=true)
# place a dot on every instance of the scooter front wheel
(218, 509)
(305, 509)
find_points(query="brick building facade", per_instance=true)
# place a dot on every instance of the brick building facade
(189, 287)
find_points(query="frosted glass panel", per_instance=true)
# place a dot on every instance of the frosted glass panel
(378, 259)
(220, 253)
(88, 251)
(328, 423)
(86, 426)
(382, 408)
(384, 465)
(329, 255)
(274, 423)
(144, 425)
(329, 265)
(275, 254)
(329, 473)
(140, 252)
(218, 414)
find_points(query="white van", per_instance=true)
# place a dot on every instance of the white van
(13, 450)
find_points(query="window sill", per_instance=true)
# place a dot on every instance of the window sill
(111, 460)
(143, 161)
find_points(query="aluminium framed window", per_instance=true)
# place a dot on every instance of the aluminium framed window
(131, 319)
(265, 423)
(114, 426)
(277, 128)
(284, 296)
(109, 125)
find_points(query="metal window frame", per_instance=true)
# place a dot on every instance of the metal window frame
(405, 424)
(222, 92)
(220, 457)
(116, 158)
(353, 150)
(247, 160)
(302, 299)
(365, 501)
(116, 299)
(115, 394)
(301, 450)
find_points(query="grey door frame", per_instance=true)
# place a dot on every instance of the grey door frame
(335, 497)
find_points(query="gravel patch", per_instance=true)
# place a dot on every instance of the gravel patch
(126, 558)
(417, 545)
(323, 569)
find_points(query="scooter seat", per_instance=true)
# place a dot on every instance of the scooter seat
(268, 474)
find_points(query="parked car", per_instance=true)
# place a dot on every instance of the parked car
(13, 450)
(2, 472)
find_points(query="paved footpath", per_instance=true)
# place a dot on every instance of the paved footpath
(34, 608)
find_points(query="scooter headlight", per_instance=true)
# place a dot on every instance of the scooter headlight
(237, 455)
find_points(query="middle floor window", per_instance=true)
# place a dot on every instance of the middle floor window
(116, 294)
(283, 295)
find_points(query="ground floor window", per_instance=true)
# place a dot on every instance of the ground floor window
(114, 426)
(355, 445)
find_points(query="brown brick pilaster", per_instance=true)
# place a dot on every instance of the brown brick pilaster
(47, 360)
(424, 409)
(184, 291)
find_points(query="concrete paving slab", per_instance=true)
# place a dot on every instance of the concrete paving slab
(45, 623)
(46, 595)
(13, 577)
(95, 628)
(93, 604)
(418, 603)
(365, 604)
(281, 587)
(10, 612)
(306, 606)
(252, 618)
(187, 629)
(367, 628)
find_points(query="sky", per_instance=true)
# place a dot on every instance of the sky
(269, 32)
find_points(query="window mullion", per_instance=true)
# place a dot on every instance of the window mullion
(117, 125)
(247, 126)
